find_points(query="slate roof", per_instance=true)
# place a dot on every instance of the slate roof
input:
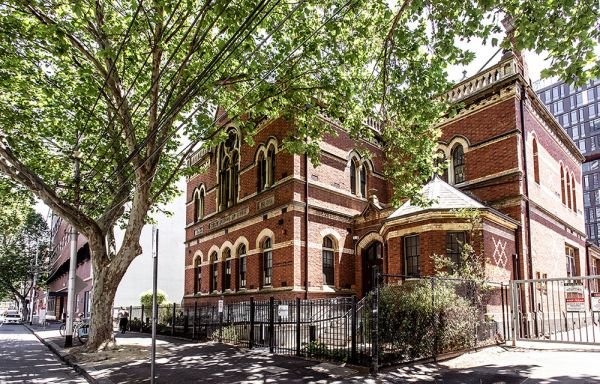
(443, 196)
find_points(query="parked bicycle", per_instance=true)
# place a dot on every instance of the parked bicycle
(81, 328)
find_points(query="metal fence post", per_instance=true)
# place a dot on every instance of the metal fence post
(194, 335)
(353, 330)
(297, 326)
(375, 324)
(271, 323)
(251, 336)
(433, 318)
(503, 311)
(173, 320)
(129, 320)
(142, 320)
(515, 310)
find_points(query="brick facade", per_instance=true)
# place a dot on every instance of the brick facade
(496, 128)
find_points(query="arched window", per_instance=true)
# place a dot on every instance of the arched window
(568, 190)
(267, 261)
(242, 266)
(265, 169)
(226, 283)
(328, 259)
(358, 178)
(271, 166)
(536, 162)
(458, 164)
(573, 194)
(197, 275)
(563, 195)
(353, 177)
(261, 172)
(214, 271)
(228, 170)
(363, 180)
(198, 205)
(441, 164)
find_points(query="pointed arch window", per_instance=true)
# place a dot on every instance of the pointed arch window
(228, 170)
(441, 164)
(198, 205)
(568, 190)
(214, 272)
(353, 177)
(562, 186)
(363, 180)
(242, 266)
(267, 261)
(198, 275)
(458, 164)
(271, 166)
(358, 178)
(573, 194)
(328, 261)
(536, 162)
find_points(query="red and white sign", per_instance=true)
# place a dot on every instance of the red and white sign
(595, 297)
(574, 297)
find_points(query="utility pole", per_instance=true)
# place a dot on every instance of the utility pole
(154, 302)
(33, 283)
(73, 260)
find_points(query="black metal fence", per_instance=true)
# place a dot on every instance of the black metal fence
(331, 329)
(401, 320)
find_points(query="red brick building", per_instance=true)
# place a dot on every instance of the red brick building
(263, 222)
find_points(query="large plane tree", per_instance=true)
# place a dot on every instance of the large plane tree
(123, 86)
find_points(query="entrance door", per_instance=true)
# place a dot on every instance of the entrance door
(372, 256)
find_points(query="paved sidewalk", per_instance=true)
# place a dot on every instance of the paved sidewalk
(183, 361)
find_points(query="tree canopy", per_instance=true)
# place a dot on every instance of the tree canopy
(23, 242)
(126, 85)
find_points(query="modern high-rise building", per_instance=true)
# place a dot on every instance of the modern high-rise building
(577, 109)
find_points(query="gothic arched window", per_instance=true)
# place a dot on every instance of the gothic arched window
(229, 170)
(458, 164)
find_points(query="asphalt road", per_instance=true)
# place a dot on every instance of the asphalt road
(24, 359)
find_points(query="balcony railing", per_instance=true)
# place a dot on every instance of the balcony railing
(197, 156)
(483, 80)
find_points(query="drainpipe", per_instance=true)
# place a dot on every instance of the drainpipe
(526, 184)
(306, 226)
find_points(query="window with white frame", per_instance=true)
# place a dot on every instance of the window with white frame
(198, 275)
(267, 261)
(328, 260)
(198, 204)
(229, 170)
(242, 267)
(458, 164)
(215, 272)
(411, 256)
(358, 178)
(571, 259)
(226, 269)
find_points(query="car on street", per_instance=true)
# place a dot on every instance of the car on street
(12, 317)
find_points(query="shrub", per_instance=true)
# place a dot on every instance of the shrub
(413, 326)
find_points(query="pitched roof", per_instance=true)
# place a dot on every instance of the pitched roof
(442, 195)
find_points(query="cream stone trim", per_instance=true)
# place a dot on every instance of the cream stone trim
(331, 232)
(368, 239)
(502, 95)
(197, 254)
(266, 232)
(494, 141)
(429, 227)
(489, 177)
(210, 252)
(226, 244)
(240, 240)
(507, 223)
(505, 234)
